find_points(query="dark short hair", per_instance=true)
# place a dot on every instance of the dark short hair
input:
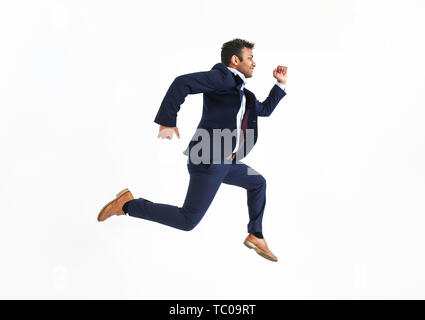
(234, 47)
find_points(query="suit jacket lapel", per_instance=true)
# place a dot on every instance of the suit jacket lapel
(249, 99)
(238, 81)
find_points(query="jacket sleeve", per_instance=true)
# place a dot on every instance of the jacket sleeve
(191, 83)
(265, 108)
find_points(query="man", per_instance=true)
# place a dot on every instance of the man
(230, 110)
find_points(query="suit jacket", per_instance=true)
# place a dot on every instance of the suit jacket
(221, 102)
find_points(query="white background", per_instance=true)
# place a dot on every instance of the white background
(343, 153)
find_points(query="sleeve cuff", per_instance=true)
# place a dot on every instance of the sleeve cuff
(281, 85)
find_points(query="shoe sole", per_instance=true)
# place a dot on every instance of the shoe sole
(250, 245)
(119, 194)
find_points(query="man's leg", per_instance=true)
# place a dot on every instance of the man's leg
(203, 185)
(243, 176)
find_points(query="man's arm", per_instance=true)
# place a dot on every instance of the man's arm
(192, 83)
(265, 108)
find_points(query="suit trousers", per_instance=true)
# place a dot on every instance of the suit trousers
(205, 179)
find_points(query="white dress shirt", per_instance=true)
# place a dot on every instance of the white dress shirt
(241, 112)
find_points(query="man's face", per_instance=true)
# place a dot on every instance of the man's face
(247, 65)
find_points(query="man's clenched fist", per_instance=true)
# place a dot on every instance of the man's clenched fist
(281, 74)
(167, 132)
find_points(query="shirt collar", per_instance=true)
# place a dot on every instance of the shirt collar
(238, 73)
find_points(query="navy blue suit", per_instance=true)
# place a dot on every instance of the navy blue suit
(221, 102)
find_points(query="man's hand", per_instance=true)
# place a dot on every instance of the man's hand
(167, 132)
(280, 73)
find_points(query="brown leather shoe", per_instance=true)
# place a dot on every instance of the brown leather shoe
(260, 246)
(114, 207)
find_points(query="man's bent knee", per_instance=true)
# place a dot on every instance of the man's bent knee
(261, 182)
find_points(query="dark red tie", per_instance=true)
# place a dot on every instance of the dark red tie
(248, 106)
(243, 133)
(245, 121)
